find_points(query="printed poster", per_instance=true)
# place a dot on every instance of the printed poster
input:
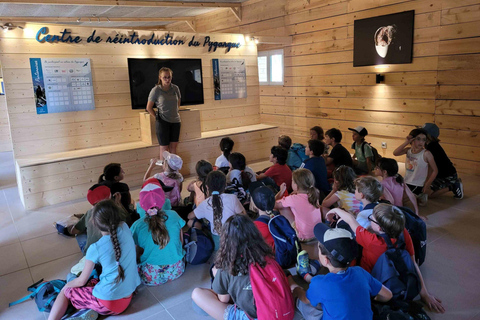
(229, 78)
(62, 84)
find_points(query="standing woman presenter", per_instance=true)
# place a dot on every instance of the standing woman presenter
(166, 97)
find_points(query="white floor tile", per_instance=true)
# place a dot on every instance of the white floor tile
(48, 248)
(56, 269)
(12, 259)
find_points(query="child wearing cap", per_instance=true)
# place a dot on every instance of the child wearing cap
(159, 234)
(447, 178)
(170, 176)
(362, 158)
(388, 219)
(343, 293)
(263, 198)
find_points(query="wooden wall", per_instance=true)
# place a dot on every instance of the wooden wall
(113, 121)
(5, 138)
(322, 87)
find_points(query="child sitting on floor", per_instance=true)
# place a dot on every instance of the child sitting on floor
(115, 252)
(263, 198)
(316, 164)
(170, 176)
(239, 172)
(420, 166)
(343, 293)
(302, 206)
(362, 158)
(279, 172)
(343, 192)
(159, 235)
(218, 207)
(226, 145)
(388, 219)
(198, 187)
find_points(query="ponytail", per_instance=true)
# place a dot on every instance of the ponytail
(313, 196)
(157, 227)
(118, 253)
(110, 172)
(216, 183)
(101, 178)
(106, 216)
(399, 178)
(246, 179)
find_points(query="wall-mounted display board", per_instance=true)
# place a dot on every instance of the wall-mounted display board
(62, 85)
(229, 78)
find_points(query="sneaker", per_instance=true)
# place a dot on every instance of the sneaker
(458, 190)
(159, 163)
(303, 264)
(84, 314)
(315, 266)
(422, 199)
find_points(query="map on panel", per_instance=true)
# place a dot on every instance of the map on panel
(62, 84)
(229, 79)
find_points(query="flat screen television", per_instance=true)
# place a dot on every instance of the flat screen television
(384, 39)
(187, 75)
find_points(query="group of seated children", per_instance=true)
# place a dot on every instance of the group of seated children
(339, 215)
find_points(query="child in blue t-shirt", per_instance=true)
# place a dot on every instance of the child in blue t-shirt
(343, 293)
(159, 235)
(115, 252)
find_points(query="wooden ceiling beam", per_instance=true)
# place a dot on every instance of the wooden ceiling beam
(129, 3)
(92, 19)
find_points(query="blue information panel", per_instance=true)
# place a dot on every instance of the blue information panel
(62, 85)
(229, 79)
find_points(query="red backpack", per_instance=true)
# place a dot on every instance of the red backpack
(271, 292)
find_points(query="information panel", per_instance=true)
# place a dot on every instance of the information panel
(229, 78)
(62, 85)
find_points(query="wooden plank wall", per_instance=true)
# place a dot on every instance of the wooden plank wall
(113, 121)
(322, 87)
(5, 138)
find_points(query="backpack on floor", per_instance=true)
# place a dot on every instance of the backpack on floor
(376, 156)
(198, 246)
(237, 189)
(271, 292)
(44, 294)
(396, 270)
(398, 310)
(418, 232)
(286, 241)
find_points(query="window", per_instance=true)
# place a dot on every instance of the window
(270, 67)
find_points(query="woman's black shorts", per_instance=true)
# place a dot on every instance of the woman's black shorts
(166, 131)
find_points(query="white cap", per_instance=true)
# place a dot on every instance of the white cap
(173, 161)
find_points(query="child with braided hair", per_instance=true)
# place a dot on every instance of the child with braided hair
(160, 237)
(115, 252)
(219, 206)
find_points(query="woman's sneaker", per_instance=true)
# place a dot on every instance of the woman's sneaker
(458, 189)
(303, 264)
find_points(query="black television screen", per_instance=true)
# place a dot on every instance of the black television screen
(187, 75)
(384, 39)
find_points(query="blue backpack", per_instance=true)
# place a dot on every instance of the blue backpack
(418, 232)
(285, 238)
(297, 156)
(396, 270)
(198, 246)
(44, 294)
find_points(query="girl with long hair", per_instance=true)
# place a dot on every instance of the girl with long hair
(115, 252)
(239, 172)
(226, 145)
(159, 235)
(343, 192)
(241, 245)
(302, 207)
(219, 206)
(198, 186)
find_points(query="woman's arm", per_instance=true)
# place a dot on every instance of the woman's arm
(432, 302)
(84, 276)
(402, 149)
(428, 157)
(150, 168)
(150, 105)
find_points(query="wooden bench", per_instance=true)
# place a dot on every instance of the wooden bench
(58, 177)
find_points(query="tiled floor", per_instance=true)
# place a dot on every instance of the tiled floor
(30, 249)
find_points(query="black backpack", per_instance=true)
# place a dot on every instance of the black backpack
(418, 232)
(396, 270)
(376, 156)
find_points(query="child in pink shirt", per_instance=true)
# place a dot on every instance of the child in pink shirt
(302, 206)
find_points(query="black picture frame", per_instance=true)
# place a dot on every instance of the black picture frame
(386, 39)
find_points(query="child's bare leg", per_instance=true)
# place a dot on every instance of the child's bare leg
(208, 301)
(59, 307)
